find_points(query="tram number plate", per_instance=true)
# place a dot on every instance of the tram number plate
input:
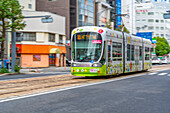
(94, 70)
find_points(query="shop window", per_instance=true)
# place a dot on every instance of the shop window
(29, 36)
(36, 57)
(51, 37)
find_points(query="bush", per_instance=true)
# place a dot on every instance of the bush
(17, 69)
(4, 70)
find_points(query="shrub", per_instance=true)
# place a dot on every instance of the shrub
(4, 70)
(17, 69)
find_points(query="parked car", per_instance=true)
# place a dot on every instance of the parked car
(156, 60)
(164, 61)
(168, 60)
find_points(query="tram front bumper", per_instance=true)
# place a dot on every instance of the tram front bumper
(88, 71)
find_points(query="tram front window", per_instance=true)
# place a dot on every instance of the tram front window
(86, 47)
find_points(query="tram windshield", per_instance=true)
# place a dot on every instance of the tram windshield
(86, 47)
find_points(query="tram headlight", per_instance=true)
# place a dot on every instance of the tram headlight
(74, 65)
(97, 65)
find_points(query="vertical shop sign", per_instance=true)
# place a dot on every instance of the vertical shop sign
(118, 13)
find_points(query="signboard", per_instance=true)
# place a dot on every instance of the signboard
(36, 57)
(146, 35)
(47, 20)
(118, 13)
(166, 16)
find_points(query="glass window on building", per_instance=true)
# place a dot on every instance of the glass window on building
(51, 37)
(60, 39)
(162, 28)
(150, 13)
(150, 20)
(157, 28)
(157, 34)
(29, 36)
(156, 21)
(137, 20)
(162, 21)
(138, 14)
(30, 6)
(143, 13)
(144, 20)
(150, 28)
(162, 35)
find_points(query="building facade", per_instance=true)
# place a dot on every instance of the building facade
(150, 15)
(59, 7)
(41, 44)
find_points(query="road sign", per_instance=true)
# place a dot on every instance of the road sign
(47, 20)
(147, 35)
(166, 16)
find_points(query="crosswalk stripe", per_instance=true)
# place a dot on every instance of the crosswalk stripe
(162, 74)
(152, 73)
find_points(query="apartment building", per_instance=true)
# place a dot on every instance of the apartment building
(150, 15)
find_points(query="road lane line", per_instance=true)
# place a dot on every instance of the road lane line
(162, 73)
(152, 73)
(168, 75)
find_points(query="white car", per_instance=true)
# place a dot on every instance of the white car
(164, 61)
(156, 60)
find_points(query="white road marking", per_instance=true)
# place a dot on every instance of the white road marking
(152, 73)
(162, 74)
(168, 75)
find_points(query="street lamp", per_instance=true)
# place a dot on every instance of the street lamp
(107, 7)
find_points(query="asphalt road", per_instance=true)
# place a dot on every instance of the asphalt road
(149, 93)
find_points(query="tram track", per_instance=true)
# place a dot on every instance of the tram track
(13, 88)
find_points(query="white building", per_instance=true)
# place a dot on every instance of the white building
(128, 7)
(28, 4)
(149, 18)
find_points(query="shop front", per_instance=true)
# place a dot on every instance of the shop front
(42, 55)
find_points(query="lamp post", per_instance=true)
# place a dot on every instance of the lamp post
(107, 7)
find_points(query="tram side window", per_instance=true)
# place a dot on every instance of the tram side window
(109, 55)
(128, 52)
(117, 51)
(132, 53)
(147, 55)
(140, 49)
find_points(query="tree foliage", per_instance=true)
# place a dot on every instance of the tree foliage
(162, 46)
(124, 29)
(12, 19)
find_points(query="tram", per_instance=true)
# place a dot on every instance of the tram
(99, 51)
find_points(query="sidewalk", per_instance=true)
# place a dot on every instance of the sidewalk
(39, 70)
(47, 69)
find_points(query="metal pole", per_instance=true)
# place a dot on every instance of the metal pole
(97, 19)
(13, 51)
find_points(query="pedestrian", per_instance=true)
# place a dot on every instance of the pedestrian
(6, 63)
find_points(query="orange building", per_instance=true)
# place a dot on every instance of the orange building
(41, 55)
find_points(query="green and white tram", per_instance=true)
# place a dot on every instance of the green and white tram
(99, 51)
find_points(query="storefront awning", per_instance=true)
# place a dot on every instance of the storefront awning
(55, 50)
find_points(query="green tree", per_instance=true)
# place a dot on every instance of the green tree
(162, 46)
(11, 17)
(124, 29)
(108, 24)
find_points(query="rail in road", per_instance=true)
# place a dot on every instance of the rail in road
(21, 87)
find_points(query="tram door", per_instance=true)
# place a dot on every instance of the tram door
(52, 59)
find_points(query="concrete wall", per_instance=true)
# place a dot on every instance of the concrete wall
(35, 24)
(27, 61)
